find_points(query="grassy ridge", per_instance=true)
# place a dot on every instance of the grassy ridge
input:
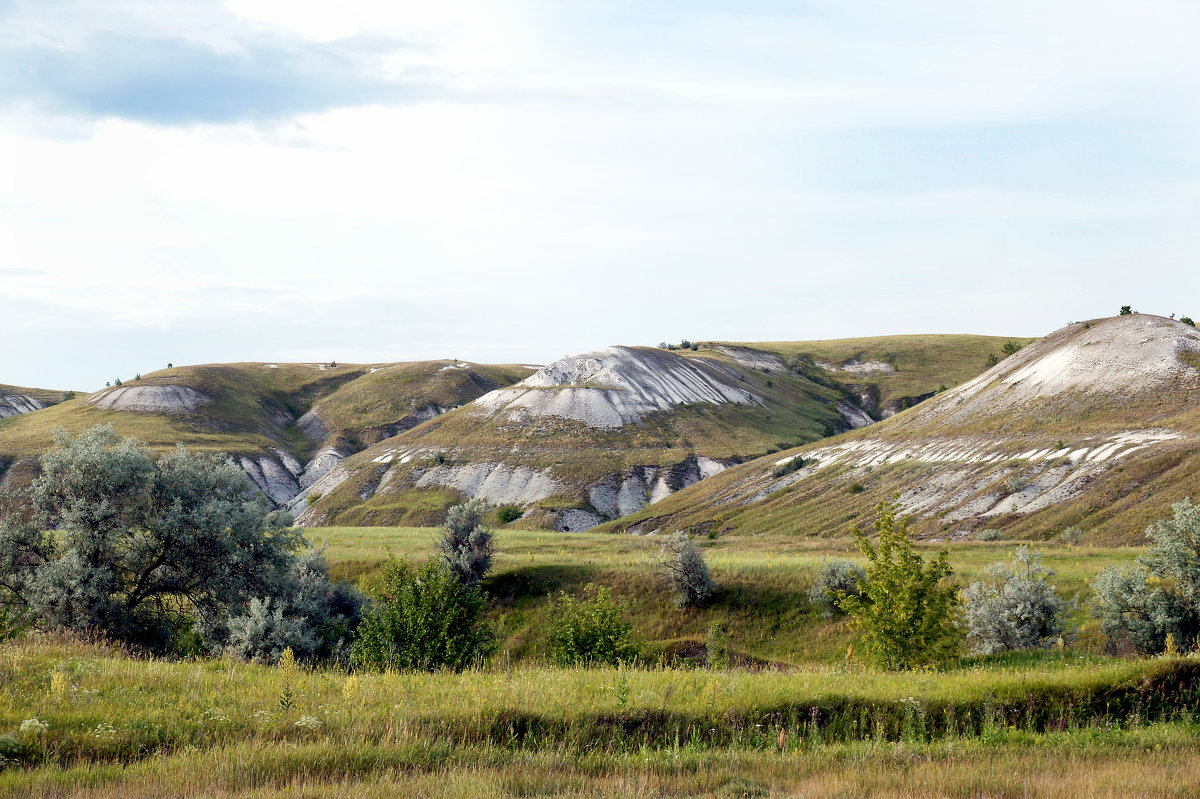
(923, 363)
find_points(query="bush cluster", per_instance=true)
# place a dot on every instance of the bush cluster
(1015, 608)
(682, 570)
(591, 630)
(837, 578)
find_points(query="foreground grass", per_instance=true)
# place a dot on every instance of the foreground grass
(1061, 726)
(763, 603)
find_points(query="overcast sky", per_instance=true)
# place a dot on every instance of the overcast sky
(195, 181)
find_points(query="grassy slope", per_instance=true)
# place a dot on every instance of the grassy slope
(44, 395)
(765, 580)
(923, 363)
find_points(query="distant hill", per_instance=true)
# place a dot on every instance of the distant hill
(1094, 427)
(284, 424)
(597, 436)
(15, 400)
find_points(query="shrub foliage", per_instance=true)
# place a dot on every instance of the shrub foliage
(591, 630)
(1159, 595)
(109, 540)
(1015, 608)
(466, 542)
(423, 618)
(682, 569)
(838, 577)
(908, 609)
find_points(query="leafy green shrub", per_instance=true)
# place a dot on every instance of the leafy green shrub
(1187, 320)
(466, 542)
(838, 577)
(313, 498)
(1015, 608)
(1159, 595)
(682, 569)
(794, 465)
(1015, 483)
(716, 647)
(591, 630)
(908, 612)
(508, 513)
(991, 360)
(423, 619)
(1126, 310)
(856, 488)
(989, 534)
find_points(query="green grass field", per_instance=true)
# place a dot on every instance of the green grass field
(792, 718)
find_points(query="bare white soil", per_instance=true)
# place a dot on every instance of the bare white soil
(149, 399)
(15, 404)
(612, 387)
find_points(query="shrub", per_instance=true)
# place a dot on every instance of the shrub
(466, 542)
(716, 647)
(856, 488)
(682, 569)
(1187, 320)
(794, 465)
(1016, 608)
(1071, 535)
(989, 534)
(838, 577)
(591, 630)
(1159, 595)
(908, 611)
(1010, 348)
(313, 498)
(312, 616)
(422, 618)
(1126, 310)
(1015, 483)
(506, 514)
(109, 540)
(991, 360)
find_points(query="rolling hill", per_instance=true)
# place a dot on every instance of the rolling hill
(284, 424)
(597, 436)
(1093, 427)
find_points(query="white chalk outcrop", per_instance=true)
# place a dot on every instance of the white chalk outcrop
(612, 387)
(16, 404)
(167, 399)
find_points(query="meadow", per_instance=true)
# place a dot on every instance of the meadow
(793, 716)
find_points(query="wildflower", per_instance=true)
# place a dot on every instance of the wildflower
(103, 728)
(308, 723)
(33, 726)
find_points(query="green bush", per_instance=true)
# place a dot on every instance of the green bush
(1126, 310)
(1010, 348)
(989, 534)
(794, 465)
(1187, 320)
(506, 514)
(1159, 595)
(422, 619)
(856, 488)
(1015, 608)
(591, 630)
(466, 543)
(682, 569)
(837, 577)
(908, 612)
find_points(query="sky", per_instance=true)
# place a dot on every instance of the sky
(192, 181)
